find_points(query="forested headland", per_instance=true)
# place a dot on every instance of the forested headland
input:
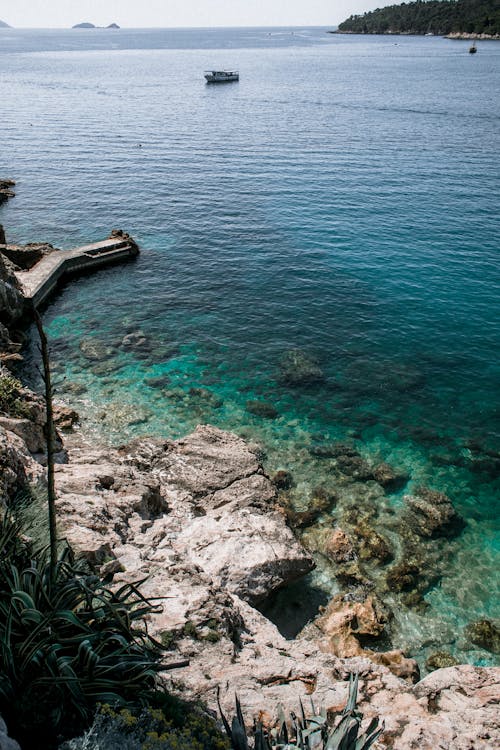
(442, 17)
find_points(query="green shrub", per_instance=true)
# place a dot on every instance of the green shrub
(11, 398)
(66, 644)
(149, 729)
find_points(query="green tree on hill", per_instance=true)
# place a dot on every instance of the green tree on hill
(429, 16)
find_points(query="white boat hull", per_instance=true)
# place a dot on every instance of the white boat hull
(221, 77)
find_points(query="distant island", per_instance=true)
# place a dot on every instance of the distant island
(4, 25)
(455, 18)
(87, 25)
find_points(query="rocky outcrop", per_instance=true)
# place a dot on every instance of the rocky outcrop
(6, 191)
(215, 510)
(347, 621)
(197, 519)
(12, 304)
(18, 468)
(24, 257)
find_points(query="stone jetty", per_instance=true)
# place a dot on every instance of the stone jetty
(38, 283)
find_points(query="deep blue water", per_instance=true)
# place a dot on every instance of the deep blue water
(341, 199)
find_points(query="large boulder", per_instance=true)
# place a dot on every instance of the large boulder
(206, 461)
(347, 621)
(216, 511)
(242, 543)
(32, 434)
(17, 467)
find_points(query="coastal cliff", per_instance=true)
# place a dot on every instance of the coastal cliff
(199, 519)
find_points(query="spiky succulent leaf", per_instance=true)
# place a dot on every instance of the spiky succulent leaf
(66, 643)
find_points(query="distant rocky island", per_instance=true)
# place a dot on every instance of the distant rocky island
(454, 18)
(4, 25)
(87, 25)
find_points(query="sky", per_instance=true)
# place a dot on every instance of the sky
(168, 13)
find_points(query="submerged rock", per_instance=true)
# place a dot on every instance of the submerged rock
(283, 480)
(322, 499)
(320, 502)
(298, 368)
(388, 477)
(350, 575)
(94, 349)
(440, 660)
(206, 396)
(76, 389)
(261, 409)
(431, 514)
(403, 577)
(484, 633)
(102, 369)
(372, 545)
(355, 467)
(338, 546)
(333, 450)
(157, 381)
(136, 341)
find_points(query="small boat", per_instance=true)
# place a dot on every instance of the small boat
(221, 76)
(473, 48)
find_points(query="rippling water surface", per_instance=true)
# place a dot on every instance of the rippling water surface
(341, 200)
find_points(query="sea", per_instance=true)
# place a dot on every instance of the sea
(337, 207)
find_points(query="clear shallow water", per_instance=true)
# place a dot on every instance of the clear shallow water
(341, 199)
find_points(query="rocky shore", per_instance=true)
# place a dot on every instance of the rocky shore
(214, 538)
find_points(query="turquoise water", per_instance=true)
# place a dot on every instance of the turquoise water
(342, 200)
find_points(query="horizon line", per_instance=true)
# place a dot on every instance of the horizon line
(133, 28)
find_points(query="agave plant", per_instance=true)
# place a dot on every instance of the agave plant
(307, 733)
(67, 643)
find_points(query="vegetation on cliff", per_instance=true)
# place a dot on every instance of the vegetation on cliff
(429, 17)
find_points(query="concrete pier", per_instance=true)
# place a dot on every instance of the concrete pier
(39, 282)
